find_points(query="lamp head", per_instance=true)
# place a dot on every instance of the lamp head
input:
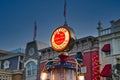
(44, 75)
(81, 76)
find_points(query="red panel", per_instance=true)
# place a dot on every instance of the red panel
(88, 62)
(42, 65)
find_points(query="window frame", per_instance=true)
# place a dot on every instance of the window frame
(31, 69)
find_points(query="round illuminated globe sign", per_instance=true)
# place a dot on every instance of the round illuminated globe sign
(62, 39)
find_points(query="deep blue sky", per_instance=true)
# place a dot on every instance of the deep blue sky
(17, 19)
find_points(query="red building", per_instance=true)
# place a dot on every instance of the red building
(88, 46)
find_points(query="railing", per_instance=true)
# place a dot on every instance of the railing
(105, 31)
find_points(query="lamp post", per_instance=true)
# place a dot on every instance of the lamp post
(62, 41)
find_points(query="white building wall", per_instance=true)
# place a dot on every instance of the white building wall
(112, 36)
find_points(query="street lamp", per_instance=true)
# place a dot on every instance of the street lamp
(62, 41)
(44, 75)
(81, 77)
(45, 72)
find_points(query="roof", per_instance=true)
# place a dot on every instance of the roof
(115, 23)
(88, 37)
(4, 52)
(41, 45)
(11, 56)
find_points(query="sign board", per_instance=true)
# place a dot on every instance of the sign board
(61, 38)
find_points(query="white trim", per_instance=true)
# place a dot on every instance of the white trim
(18, 63)
(6, 64)
(0, 64)
(34, 60)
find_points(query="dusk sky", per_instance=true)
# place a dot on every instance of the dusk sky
(17, 19)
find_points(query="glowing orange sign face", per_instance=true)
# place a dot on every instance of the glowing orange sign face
(60, 38)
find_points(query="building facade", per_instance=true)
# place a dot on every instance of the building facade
(35, 60)
(31, 60)
(109, 49)
(11, 67)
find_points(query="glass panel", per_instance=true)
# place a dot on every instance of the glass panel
(31, 69)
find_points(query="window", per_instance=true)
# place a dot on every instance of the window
(6, 64)
(107, 53)
(31, 69)
(31, 51)
(109, 78)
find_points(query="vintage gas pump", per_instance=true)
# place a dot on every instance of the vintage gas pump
(63, 68)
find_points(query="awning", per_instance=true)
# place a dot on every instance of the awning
(107, 71)
(106, 48)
